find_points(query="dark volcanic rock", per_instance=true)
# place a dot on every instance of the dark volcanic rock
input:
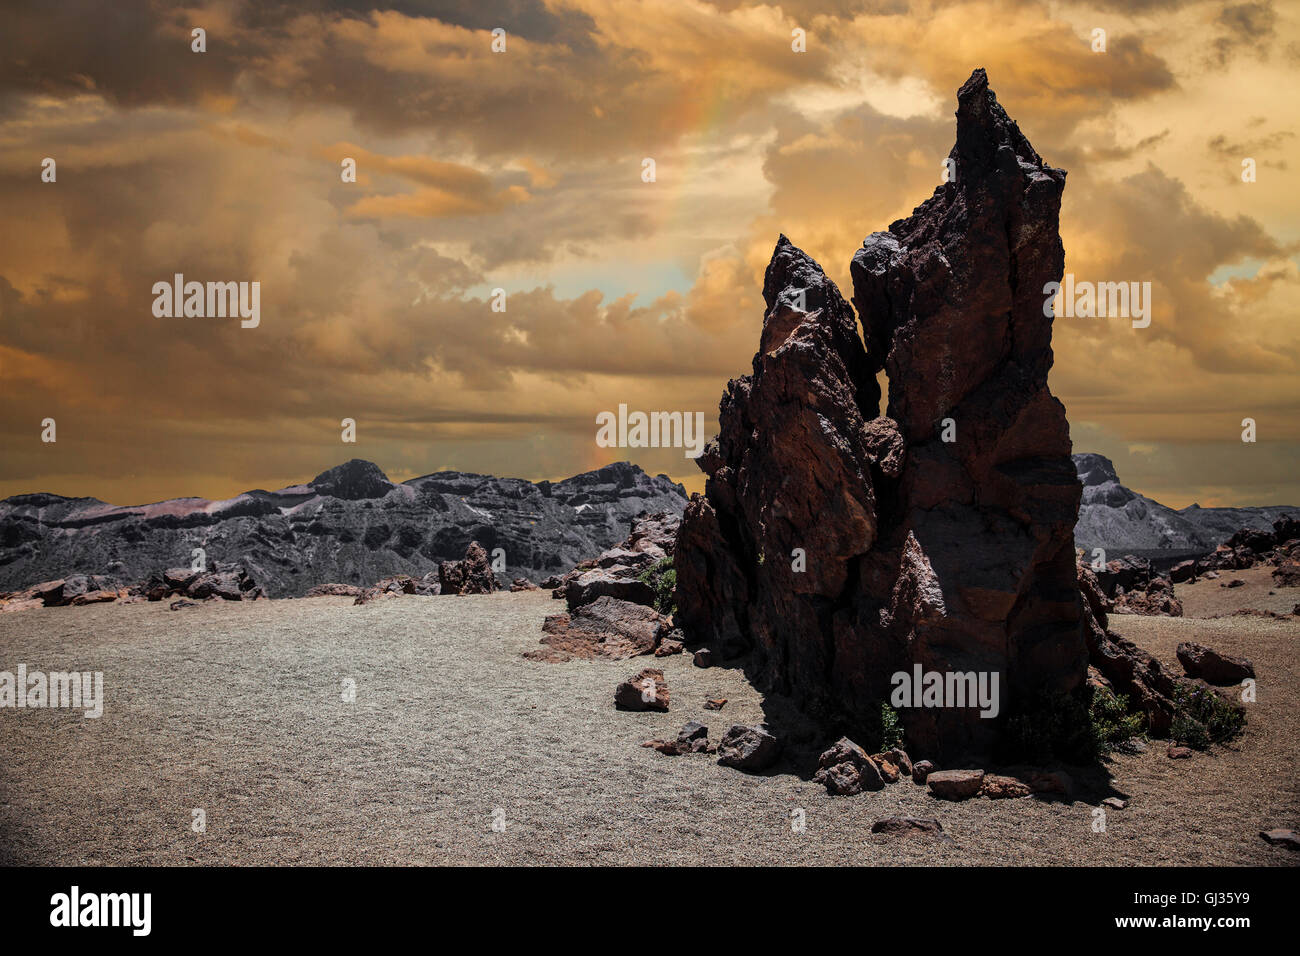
(471, 575)
(748, 748)
(956, 554)
(1213, 667)
(349, 525)
(845, 769)
(607, 627)
(644, 691)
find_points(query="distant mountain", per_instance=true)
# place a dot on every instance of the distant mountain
(1121, 521)
(349, 524)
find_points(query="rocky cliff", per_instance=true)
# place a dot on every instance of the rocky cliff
(349, 525)
(1121, 521)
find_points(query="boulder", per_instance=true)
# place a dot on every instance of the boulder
(522, 584)
(715, 703)
(1212, 666)
(1281, 837)
(616, 582)
(748, 748)
(921, 770)
(955, 784)
(605, 628)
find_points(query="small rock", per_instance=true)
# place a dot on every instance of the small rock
(748, 748)
(715, 703)
(898, 756)
(693, 731)
(1115, 803)
(922, 770)
(888, 770)
(177, 605)
(1178, 753)
(1287, 838)
(646, 691)
(667, 648)
(1234, 583)
(845, 769)
(669, 748)
(955, 784)
(996, 787)
(703, 657)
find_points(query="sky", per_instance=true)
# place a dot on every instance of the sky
(522, 171)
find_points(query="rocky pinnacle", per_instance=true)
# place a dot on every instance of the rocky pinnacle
(836, 546)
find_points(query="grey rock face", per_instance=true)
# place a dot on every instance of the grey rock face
(349, 525)
(1121, 521)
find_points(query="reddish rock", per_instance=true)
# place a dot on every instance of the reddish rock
(898, 756)
(955, 784)
(473, 575)
(888, 769)
(1056, 782)
(1287, 574)
(997, 787)
(644, 691)
(1178, 753)
(921, 770)
(956, 555)
(668, 647)
(748, 748)
(522, 584)
(703, 658)
(846, 769)
(715, 703)
(95, 597)
(604, 628)
(1212, 666)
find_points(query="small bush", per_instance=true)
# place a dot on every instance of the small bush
(662, 577)
(1202, 717)
(1112, 724)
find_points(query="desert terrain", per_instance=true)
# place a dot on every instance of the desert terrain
(236, 709)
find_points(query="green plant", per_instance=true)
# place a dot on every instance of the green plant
(1110, 720)
(1202, 717)
(662, 578)
(1047, 727)
(891, 728)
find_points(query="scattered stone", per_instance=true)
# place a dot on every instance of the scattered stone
(523, 584)
(694, 736)
(177, 605)
(846, 769)
(888, 769)
(1176, 752)
(669, 748)
(1234, 583)
(715, 703)
(667, 648)
(645, 691)
(996, 787)
(1115, 803)
(955, 784)
(748, 748)
(703, 657)
(921, 770)
(1212, 666)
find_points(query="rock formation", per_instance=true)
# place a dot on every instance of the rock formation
(348, 525)
(838, 546)
(470, 575)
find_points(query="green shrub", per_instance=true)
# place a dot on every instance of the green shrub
(1202, 717)
(662, 577)
(1112, 724)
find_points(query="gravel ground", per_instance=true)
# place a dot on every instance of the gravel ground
(236, 709)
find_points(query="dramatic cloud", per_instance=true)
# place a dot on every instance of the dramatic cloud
(501, 271)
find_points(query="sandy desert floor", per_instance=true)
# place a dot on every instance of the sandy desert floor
(236, 709)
